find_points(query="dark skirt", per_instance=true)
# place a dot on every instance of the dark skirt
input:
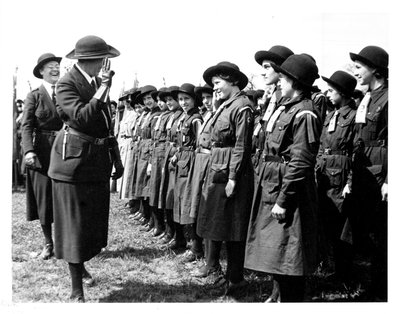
(39, 202)
(80, 219)
(157, 162)
(142, 179)
(167, 185)
(196, 179)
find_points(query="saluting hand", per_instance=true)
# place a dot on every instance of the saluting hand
(278, 212)
(106, 73)
(230, 187)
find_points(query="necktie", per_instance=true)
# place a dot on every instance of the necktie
(53, 94)
(271, 107)
(93, 83)
(332, 122)
(363, 108)
(274, 117)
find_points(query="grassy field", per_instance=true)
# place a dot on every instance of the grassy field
(134, 268)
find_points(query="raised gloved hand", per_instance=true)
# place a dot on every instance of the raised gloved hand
(106, 73)
(119, 170)
(106, 80)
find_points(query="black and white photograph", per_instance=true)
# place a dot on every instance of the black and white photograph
(165, 153)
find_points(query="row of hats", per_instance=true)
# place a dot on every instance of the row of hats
(135, 95)
(300, 67)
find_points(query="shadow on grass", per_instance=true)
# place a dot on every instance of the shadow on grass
(139, 292)
(145, 254)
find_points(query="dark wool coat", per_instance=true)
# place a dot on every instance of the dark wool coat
(81, 192)
(221, 218)
(39, 117)
(287, 247)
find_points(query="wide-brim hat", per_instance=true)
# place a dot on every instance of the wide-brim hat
(125, 95)
(228, 68)
(373, 56)
(147, 89)
(277, 54)
(199, 90)
(188, 89)
(156, 93)
(43, 59)
(168, 92)
(343, 82)
(300, 68)
(92, 47)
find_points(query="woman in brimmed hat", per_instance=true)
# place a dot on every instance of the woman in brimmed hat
(282, 238)
(212, 267)
(184, 159)
(370, 185)
(224, 210)
(80, 165)
(168, 178)
(142, 189)
(40, 125)
(125, 133)
(272, 97)
(334, 174)
(157, 161)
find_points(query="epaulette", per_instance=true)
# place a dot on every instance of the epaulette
(246, 107)
(306, 112)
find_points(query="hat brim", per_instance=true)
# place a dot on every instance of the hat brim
(337, 86)
(218, 69)
(357, 57)
(200, 90)
(278, 69)
(262, 55)
(111, 53)
(36, 70)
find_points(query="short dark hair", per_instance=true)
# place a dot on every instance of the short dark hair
(229, 78)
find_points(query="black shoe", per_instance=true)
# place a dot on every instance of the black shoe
(190, 257)
(78, 298)
(87, 278)
(147, 227)
(175, 245)
(205, 271)
(166, 239)
(233, 288)
(157, 232)
(47, 252)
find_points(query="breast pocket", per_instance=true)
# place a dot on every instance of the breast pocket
(335, 176)
(278, 132)
(219, 173)
(183, 168)
(42, 114)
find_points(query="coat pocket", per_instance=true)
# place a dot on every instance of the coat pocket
(335, 176)
(183, 168)
(270, 191)
(219, 173)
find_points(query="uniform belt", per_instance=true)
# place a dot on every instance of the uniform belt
(185, 148)
(159, 143)
(328, 151)
(376, 143)
(220, 144)
(203, 150)
(280, 159)
(91, 139)
(126, 136)
(47, 132)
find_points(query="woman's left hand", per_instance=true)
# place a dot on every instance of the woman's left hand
(230, 187)
(278, 212)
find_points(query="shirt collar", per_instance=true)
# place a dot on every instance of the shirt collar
(87, 76)
(48, 87)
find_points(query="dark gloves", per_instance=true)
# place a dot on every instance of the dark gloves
(119, 170)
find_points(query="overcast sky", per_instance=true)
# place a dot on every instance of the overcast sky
(178, 40)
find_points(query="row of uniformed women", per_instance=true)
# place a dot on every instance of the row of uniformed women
(351, 173)
(205, 169)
